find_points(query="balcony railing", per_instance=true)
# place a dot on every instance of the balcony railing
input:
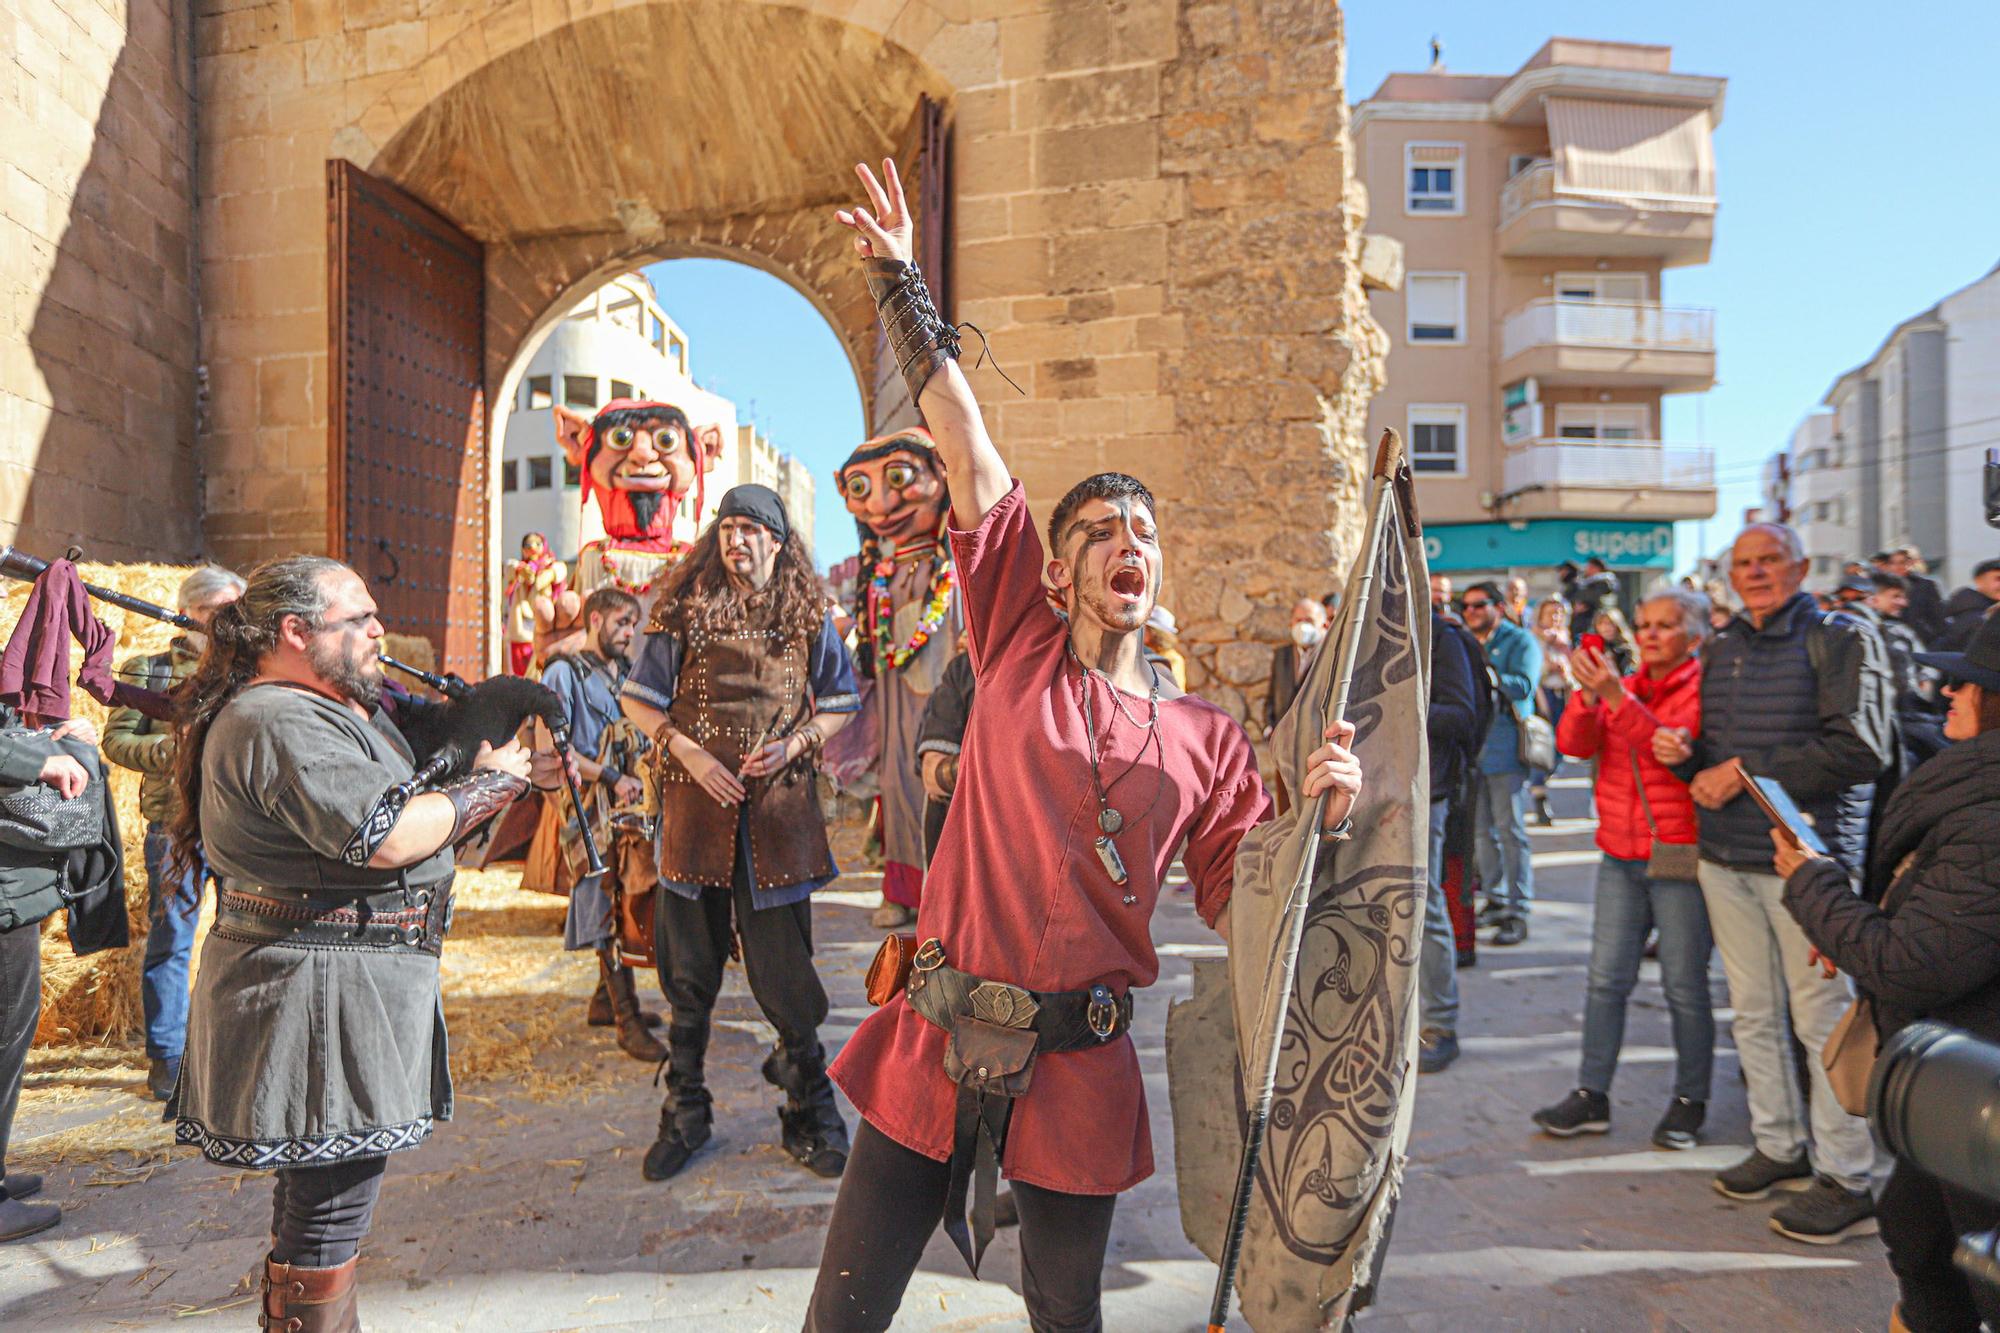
(1536, 185)
(1621, 464)
(1638, 325)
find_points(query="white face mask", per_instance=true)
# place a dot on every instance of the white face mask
(1305, 634)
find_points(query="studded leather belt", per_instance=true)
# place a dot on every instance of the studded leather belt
(391, 922)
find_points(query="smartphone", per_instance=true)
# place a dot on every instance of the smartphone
(1594, 642)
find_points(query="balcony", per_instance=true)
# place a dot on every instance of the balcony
(1610, 344)
(1552, 478)
(1537, 219)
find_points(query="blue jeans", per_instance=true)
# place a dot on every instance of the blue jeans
(1437, 967)
(172, 904)
(1629, 906)
(1504, 866)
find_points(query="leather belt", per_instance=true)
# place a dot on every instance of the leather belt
(1060, 1021)
(390, 922)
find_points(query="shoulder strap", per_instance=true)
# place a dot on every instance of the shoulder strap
(1639, 781)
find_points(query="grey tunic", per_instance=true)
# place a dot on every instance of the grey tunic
(297, 1055)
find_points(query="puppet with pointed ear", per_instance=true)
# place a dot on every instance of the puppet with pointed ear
(639, 459)
(907, 605)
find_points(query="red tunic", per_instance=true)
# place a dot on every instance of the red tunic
(1016, 891)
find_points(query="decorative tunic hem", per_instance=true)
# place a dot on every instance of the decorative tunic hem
(321, 1150)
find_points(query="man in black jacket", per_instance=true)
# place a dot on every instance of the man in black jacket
(1968, 606)
(1804, 697)
(1455, 737)
(1925, 612)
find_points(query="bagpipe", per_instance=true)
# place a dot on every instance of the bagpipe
(445, 739)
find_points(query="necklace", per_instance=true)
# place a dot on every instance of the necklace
(1109, 820)
(937, 604)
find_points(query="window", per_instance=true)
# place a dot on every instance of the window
(1436, 434)
(1600, 286)
(1601, 421)
(580, 391)
(620, 389)
(510, 480)
(572, 477)
(540, 393)
(1520, 162)
(1437, 307)
(540, 470)
(677, 352)
(1436, 176)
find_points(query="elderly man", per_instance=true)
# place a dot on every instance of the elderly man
(1803, 696)
(173, 900)
(1290, 660)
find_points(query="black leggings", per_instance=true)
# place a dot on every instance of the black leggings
(892, 1199)
(320, 1213)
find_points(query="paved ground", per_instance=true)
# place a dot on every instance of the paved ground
(522, 1215)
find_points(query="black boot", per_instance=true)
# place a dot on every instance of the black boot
(603, 1008)
(685, 1117)
(809, 1123)
(634, 1037)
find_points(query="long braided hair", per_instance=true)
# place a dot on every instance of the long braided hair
(240, 635)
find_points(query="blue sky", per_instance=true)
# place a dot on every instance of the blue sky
(1854, 164)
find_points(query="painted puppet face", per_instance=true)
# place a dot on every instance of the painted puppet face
(899, 496)
(638, 459)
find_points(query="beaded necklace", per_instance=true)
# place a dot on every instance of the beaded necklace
(937, 606)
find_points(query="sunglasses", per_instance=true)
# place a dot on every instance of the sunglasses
(1474, 606)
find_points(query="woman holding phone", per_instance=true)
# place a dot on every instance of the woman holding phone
(1646, 830)
(1930, 949)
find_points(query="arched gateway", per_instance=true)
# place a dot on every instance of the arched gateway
(1147, 204)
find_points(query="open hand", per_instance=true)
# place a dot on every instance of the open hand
(1333, 769)
(709, 773)
(882, 230)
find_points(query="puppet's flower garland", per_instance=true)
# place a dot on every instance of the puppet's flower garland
(935, 609)
(674, 557)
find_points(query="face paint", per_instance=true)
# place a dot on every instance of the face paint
(1114, 561)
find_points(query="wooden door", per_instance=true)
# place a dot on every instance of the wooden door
(407, 486)
(891, 405)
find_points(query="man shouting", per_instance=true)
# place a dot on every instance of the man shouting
(741, 681)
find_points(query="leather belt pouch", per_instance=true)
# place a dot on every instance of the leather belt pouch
(890, 972)
(985, 1057)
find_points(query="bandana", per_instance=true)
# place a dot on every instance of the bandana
(759, 504)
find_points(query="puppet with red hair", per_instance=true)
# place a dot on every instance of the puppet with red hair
(640, 459)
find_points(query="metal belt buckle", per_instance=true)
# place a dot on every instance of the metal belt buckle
(929, 956)
(1102, 1012)
(1003, 1005)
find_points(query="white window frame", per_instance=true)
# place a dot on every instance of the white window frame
(1457, 166)
(1437, 414)
(1597, 283)
(1410, 338)
(1602, 416)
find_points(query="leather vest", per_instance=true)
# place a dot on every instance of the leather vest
(741, 687)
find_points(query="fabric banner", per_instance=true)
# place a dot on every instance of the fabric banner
(1333, 1153)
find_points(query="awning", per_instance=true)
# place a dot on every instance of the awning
(1621, 148)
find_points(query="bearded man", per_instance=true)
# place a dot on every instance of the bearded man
(639, 459)
(1084, 772)
(907, 635)
(741, 682)
(316, 1041)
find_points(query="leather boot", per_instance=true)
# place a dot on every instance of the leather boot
(809, 1122)
(634, 1037)
(603, 1003)
(685, 1116)
(310, 1300)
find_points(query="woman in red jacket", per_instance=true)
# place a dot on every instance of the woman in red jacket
(1638, 800)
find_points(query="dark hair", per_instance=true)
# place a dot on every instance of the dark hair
(1599, 562)
(917, 443)
(608, 601)
(1883, 582)
(1989, 710)
(1487, 586)
(1103, 486)
(1985, 567)
(698, 591)
(1881, 557)
(240, 635)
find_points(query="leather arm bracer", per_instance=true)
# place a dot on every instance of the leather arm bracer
(919, 338)
(478, 796)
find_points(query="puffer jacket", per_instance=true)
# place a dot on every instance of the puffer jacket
(1932, 950)
(1614, 736)
(146, 746)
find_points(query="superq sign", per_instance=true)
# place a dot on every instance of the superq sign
(1549, 542)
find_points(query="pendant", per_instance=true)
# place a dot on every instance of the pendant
(1114, 865)
(1109, 821)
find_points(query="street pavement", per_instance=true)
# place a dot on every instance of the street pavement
(526, 1214)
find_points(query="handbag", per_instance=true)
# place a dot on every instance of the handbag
(889, 974)
(1666, 860)
(1849, 1056)
(1536, 743)
(35, 818)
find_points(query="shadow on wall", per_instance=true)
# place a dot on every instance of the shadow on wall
(102, 188)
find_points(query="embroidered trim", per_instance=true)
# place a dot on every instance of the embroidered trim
(646, 695)
(935, 746)
(374, 829)
(269, 1154)
(838, 703)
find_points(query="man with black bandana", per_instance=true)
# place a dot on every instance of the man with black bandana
(316, 1042)
(741, 681)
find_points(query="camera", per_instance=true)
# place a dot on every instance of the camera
(1934, 1101)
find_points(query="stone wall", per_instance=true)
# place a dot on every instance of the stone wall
(97, 314)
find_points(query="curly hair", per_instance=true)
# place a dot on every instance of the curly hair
(239, 637)
(699, 592)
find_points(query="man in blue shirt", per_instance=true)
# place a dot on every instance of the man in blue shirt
(741, 682)
(1504, 863)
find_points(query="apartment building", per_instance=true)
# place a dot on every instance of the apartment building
(1532, 342)
(619, 343)
(1896, 454)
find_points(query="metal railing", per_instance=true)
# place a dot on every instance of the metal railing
(1633, 464)
(1537, 186)
(1640, 325)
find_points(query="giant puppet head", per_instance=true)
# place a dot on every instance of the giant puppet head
(640, 459)
(894, 487)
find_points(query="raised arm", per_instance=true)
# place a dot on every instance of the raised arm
(925, 347)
